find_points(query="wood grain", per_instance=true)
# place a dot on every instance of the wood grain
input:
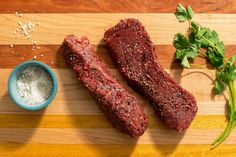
(89, 107)
(161, 27)
(109, 6)
(114, 150)
(72, 98)
(73, 125)
(52, 57)
(109, 136)
(96, 121)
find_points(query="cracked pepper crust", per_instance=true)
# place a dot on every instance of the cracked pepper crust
(133, 53)
(120, 107)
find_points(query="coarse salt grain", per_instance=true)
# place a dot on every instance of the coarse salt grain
(26, 28)
(34, 85)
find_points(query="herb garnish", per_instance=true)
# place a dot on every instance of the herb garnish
(204, 42)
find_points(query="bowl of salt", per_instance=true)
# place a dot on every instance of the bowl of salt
(32, 85)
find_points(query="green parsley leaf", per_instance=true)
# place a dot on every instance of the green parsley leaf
(184, 55)
(231, 63)
(183, 14)
(228, 72)
(184, 49)
(190, 12)
(195, 26)
(202, 38)
(180, 41)
(208, 39)
(192, 40)
(219, 87)
(185, 62)
(231, 60)
(215, 59)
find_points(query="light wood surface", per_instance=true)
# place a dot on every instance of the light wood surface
(165, 54)
(161, 26)
(17, 150)
(109, 136)
(72, 98)
(94, 121)
(73, 125)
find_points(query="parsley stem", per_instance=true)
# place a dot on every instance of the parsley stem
(225, 134)
(190, 47)
(210, 74)
(203, 54)
(189, 23)
(202, 67)
(212, 44)
(232, 122)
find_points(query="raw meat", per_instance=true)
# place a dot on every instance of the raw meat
(133, 52)
(121, 108)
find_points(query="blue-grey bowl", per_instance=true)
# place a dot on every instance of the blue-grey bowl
(12, 87)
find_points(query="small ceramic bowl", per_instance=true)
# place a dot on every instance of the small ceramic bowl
(12, 87)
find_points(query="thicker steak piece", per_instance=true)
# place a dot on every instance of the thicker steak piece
(120, 107)
(133, 53)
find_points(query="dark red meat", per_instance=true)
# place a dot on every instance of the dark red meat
(120, 107)
(133, 53)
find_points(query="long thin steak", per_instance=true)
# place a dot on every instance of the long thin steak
(120, 107)
(133, 53)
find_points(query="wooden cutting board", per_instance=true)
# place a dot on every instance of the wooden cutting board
(73, 125)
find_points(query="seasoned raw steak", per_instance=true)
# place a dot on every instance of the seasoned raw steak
(133, 53)
(121, 108)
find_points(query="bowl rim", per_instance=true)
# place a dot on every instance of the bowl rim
(45, 67)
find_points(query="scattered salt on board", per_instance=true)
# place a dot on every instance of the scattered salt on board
(34, 85)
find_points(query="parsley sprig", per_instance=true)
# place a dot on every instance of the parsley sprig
(204, 42)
